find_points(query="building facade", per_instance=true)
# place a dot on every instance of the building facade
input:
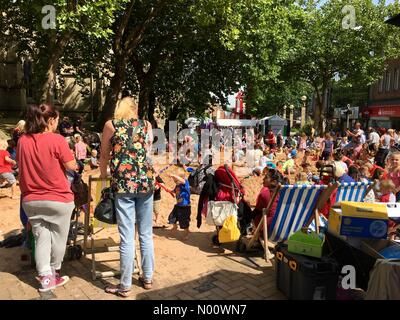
(384, 99)
(16, 90)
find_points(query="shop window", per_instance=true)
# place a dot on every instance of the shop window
(396, 83)
(387, 81)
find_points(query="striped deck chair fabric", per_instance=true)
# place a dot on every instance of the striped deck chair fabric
(353, 191)
(295, 207)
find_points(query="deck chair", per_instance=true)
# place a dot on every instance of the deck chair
(297, 207)
(353, 191)
(93, 227)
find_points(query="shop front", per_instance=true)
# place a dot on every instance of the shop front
(383, 116)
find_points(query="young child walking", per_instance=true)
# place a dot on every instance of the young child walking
(7, 178)
(80, 152)
(182, 210)
(94, 162)
(157, 201)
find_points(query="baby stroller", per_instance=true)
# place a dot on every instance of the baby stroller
(227, 200)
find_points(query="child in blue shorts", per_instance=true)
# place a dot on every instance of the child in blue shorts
(182, 210)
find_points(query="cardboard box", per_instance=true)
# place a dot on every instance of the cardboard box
(359, 219)
(308, 244)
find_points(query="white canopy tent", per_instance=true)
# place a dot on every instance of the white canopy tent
(236, 123)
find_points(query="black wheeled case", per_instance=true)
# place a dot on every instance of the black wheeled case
(305, 278)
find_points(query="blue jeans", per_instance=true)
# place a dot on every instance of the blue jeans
(131, 209)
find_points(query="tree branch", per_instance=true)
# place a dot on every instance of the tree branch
(135, 36)
(122, 26)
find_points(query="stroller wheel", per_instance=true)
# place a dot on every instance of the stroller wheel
(78, 252)
(214, 240)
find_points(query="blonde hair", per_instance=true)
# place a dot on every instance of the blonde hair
(3, 144)
(302, 176)
(387, 185)
(126, 109)
(20, 125)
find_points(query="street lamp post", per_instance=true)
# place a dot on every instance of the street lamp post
(284, 111)
(348, 112)
(291, 107)
(303, 111)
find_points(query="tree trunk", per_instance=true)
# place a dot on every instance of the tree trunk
(173, 114)
(113, 92)
(50, 62)
(319, 114)
(152, 107)
(144, 94)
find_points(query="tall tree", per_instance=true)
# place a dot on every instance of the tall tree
(29, 25)
(346, 40)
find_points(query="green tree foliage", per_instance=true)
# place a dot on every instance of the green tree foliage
(22, 24)
(324, 48)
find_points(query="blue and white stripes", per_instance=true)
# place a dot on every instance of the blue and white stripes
(354, 191)
(295, 206)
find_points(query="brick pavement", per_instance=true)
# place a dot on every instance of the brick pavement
(184, 271)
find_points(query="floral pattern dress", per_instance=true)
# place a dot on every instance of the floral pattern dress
(130, 169)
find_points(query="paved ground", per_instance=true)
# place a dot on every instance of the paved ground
(192, 273)
(193, 269)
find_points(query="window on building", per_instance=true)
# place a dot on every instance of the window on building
(387, 81)
(396, 83)
(380, 85)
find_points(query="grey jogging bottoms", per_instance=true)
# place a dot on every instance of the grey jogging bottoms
(50, 221)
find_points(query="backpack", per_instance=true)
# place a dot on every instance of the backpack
(196, 179)
(80, 190)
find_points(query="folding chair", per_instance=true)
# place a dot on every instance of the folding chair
(93, 227)
(297, 207)
(353, 191)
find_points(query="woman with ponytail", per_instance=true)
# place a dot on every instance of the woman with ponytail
(43, 156)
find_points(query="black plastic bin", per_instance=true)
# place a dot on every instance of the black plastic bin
(305, 278)
(345, 254)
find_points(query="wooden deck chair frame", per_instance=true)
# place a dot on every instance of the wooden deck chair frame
(266, 243)
(89, 234)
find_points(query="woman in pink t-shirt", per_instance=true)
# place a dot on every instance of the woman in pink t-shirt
(42, 157)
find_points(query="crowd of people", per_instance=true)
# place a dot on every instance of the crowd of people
(354, 157)
(42, 150)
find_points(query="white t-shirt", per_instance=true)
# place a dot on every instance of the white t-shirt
(374, 137)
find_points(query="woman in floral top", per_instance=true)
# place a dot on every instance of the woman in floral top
(125, 145)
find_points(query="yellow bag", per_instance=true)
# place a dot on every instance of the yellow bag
(229, 231)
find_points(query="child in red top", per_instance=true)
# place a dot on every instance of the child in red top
(394, 172)
(387, 189)
(7, 178)
(271, 181)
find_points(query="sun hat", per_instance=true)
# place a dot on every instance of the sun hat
(271, 165)
(338, 169)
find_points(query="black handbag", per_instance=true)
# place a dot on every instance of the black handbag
(105, 210)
